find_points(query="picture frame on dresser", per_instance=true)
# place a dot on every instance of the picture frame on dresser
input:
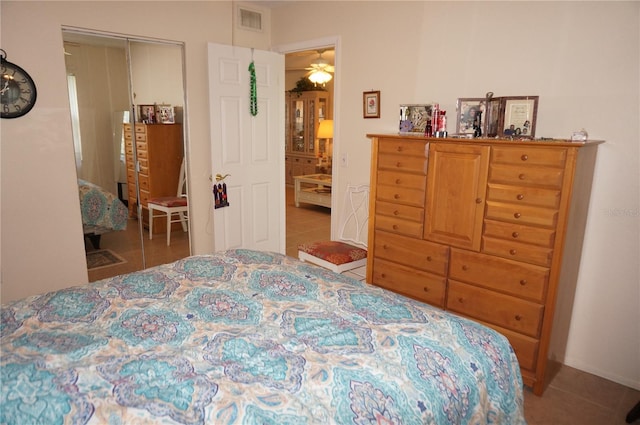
(165, 114)
(147, 114)
(492, 117)
(518, 116)
(467, 110)
(371, 104)
(414, 118)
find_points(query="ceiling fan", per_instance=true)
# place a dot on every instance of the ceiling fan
(320, 64)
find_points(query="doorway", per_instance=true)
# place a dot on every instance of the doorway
(308, 222)
(112, 80)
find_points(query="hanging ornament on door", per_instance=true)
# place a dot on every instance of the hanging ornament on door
(253, 97)
(220, 192)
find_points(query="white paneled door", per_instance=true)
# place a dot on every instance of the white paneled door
(248, 149)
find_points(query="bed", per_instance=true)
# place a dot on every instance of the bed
(249, 337)
(102, 211)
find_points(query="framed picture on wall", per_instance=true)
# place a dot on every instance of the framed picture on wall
(165, 114)
(371, 104)
(147, 114)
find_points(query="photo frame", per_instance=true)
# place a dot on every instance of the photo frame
(492, 117)
(147, 114)
(415, 118)
(165, 114)
(371, 104)
(471, 115)
(518, 116)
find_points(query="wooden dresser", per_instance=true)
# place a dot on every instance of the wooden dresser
(478, 227)
(160, 152)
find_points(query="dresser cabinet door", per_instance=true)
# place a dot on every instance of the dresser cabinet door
(456, 186)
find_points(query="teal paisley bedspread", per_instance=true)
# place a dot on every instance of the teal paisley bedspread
(247, 337)
(102, 211)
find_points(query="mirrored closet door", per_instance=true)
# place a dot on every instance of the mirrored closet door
(127, 100)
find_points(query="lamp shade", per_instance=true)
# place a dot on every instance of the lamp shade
(325, 129)
(320, 77)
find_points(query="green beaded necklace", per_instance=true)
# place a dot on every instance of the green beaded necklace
(253, 101)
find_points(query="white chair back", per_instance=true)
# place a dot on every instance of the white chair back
(355, 216)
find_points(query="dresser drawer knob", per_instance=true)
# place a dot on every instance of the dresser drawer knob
(524, 157)
(396, 212)
(517, 215)
(385, 246)
(520, 197)
(399, 148)
(382, 275)
(478, 200)
(461, 300)
(518, 317)
(425, 289)
(396, 196)
(523, 282)
(515, 235)
(522, 176)
(465, 267)
(395, 227)
(397, 181)
(428, 258)
(513, 252)
(398, 165)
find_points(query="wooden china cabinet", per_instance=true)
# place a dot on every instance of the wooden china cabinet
(304, 111)
(489, 229)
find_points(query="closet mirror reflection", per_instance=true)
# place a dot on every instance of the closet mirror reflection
(127, 100)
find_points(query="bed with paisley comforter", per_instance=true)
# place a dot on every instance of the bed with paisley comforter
(101, 210)
(248, 337)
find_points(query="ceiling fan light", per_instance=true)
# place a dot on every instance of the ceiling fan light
(320, 77)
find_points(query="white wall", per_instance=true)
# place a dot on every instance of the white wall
(41, 225)
(581, 58)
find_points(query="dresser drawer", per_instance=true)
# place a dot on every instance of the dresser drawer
(411, 164)
(398, 226)
(521, 214)
(523, 195)
(403, 212)
(400, 195)
(529, 155)
(142, 153)
(525, 347)
(141, 137)
(144, 197)
(405, 180)
(141, 128)
(403, 147)
(143, 182)
(408, 281)
(144, 165)
(516, 232)
(499, 309)
(129, 159)
(511, 277)
(517, 251)
(416, 253)
(526, 176)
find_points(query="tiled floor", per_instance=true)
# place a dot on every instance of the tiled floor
(572, 397)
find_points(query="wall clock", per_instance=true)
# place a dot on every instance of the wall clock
(17, 89)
